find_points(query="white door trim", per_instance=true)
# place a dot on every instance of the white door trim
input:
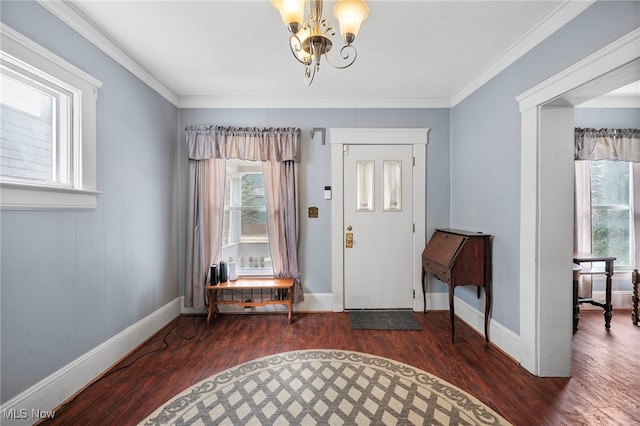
(607, 69)
(338, 137)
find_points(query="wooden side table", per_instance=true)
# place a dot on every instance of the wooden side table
(608, 271)
(251, 292)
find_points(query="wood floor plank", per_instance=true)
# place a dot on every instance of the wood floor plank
(603, 389)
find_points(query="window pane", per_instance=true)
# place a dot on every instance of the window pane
(609, 183)
(254, 226)
(245, 236)
(252, 190)
(392, 185)
(254, 221)
(610, 234)
(26, 132)
(364, 185)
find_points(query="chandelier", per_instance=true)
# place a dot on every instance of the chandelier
(310, 38)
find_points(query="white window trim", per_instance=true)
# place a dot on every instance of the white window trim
(27, 196)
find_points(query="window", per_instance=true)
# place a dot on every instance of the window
(245, 224)
(612, 211)
(36, 135)
(47, 129)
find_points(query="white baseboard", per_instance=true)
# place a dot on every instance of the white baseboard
(52, 391)
(505, 339)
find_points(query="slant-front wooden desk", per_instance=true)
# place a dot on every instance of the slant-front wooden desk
(459, 258)
(259, 292)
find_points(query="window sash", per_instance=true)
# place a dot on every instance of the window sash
(61, 139)
(620, 264)
(235, 240)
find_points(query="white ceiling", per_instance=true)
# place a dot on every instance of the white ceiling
(219, 53)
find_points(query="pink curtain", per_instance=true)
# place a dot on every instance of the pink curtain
(204, 225)
(208, 148)
(582, 222)
(281, 199)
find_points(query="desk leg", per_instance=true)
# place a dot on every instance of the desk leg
(488, 296)
(424, 290)
(608, 308)
(452, 313)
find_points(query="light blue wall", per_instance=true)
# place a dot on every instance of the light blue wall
(485, 145)
(73, 279)
(315, 169)
(608, 118)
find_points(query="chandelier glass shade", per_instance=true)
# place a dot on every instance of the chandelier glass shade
(310, 38)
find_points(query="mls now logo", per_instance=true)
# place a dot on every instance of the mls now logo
(23, 413)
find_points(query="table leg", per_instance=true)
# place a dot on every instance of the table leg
(211, 307)
(290, 291)
(608, 308)
(576, 307)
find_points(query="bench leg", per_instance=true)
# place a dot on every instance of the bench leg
(290, 304)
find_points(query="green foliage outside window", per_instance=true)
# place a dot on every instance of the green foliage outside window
(611, 210)
(251, 196)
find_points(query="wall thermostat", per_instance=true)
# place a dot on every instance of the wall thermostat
(327, 192)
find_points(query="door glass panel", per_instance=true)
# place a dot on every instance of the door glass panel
(364, 186)
(392, 185)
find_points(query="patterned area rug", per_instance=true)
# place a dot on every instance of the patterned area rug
(383, 320)
(328, 387)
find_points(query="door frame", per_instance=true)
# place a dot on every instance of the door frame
(546, 197)
(338, 138)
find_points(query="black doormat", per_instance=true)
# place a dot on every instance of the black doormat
(383, 320)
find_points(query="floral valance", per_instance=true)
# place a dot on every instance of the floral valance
(246, 143)
(607, 144)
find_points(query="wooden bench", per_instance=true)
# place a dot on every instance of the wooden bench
(251, 292)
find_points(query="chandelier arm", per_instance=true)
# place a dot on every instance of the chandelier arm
(345, 54)
(309, 73)
(296, 48)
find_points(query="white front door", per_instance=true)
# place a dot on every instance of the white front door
(378, 226)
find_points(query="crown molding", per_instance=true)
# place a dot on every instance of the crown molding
(85, 27)
(315, 102)
(552, 23)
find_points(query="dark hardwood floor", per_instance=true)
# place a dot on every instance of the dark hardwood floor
(604, 388)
